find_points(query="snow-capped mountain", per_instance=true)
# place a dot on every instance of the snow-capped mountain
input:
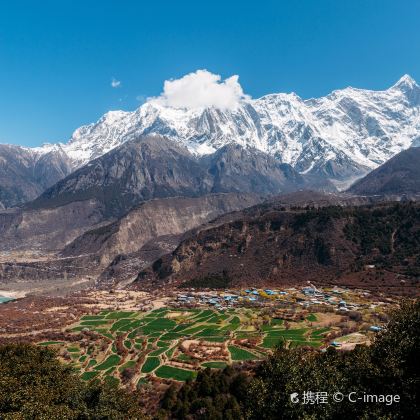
(26, 173)
(342, 135)
(339, 137)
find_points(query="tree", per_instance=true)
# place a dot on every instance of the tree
(213, 395)
(128, 374)
(35, 385)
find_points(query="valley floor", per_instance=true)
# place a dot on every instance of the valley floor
(141, 338)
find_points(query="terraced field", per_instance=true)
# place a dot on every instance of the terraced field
(174, 344)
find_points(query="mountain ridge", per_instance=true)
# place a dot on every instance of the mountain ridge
(399, 176)
(24, 175)
(339, 137)
(280, 125)
(155, 167)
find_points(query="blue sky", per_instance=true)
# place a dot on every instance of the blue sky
(58, 58)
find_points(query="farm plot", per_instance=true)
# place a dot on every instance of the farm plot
(215, 365)
(111, 361)
(240, 354)
(170, 372)
(150, 364)
(292, 337)
(51, 343)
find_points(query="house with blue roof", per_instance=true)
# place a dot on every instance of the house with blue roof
(270, 292)
(375, 328)
(308, 291)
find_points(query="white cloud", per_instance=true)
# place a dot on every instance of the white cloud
(115, 83)
(200, 90)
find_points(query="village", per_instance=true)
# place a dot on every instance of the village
(143, 338)
(287, 301)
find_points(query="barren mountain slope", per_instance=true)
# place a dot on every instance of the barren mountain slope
(397, 177)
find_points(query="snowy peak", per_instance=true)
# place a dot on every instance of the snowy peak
(341, 136)
(406, 82)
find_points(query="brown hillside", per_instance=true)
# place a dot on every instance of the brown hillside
(325, 245)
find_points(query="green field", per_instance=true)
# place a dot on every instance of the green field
(170, 372)
(111, 361)
(150, 364)
(156, 337)
(215, 365)
(87, 376)
(92, 362)
(241, 354)
(90, 317)
(119, 315)
(158, 352)
(130, 364)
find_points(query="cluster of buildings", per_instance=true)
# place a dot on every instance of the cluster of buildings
(284, 301)
(314, 296)
(308, 297)
(227, 298)
(217, 300)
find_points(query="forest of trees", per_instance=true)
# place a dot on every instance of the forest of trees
(387, 235)
(35, 385)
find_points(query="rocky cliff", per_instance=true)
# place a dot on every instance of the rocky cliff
(48, 246)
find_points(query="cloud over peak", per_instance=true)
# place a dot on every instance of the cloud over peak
(202, 89)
